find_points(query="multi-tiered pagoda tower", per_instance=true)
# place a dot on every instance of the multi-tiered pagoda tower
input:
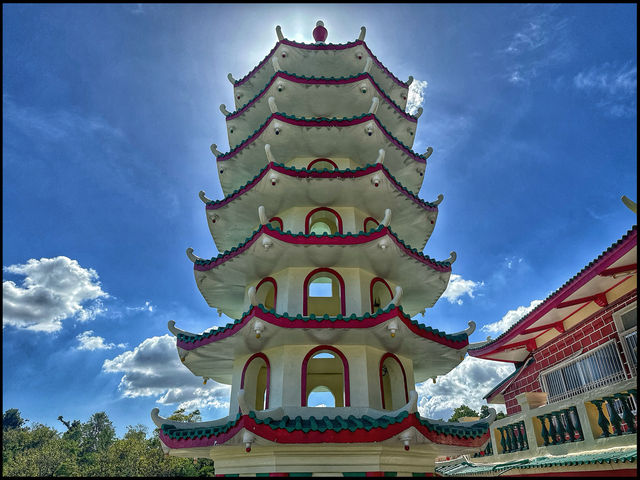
(321, 234)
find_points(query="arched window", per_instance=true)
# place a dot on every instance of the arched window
(267, 292)
(325, 369)
(323, 293)
(321, 396)
(379, 293)
(321, 220)
(255, 381)
(393, 382)
(321, 164)
(276, 222)
(370, 223)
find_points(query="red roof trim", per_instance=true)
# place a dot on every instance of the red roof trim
(328, 46)
(319, 174)
(377, 434)
(321, 122)
(290, 322)
(301, 239)
(582, 279)
(323, 81)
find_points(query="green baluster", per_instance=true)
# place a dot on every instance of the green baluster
(615, 419)
(634, 394)
(577, 425)
(552, 429)
(544, 432)
(602, 420)
(511, 441)
(523, 429)
(519, 438)
(570, 428)
(503, 442)
(561, 430)
(626, 411)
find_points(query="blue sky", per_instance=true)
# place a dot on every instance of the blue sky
(108, 114)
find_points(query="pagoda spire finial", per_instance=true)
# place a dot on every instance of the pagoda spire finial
(363, 32)
(279, 33)
(320, 33)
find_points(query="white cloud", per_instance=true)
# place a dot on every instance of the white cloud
(90, 342)
(511, 317)
(471, 380)
(415, 99)
(53, 290)
(614, 86)
(459, 287)
(154, 369)
(542, 41)
(147, 307)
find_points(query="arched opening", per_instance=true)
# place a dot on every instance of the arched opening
(267, 293)
(255, 381)
(379, 293)
(323, 220)
(321, 397)
(276, 222)
(370, 223)
(393, 382)
(323, 293)
(321, 164)
(325, 369)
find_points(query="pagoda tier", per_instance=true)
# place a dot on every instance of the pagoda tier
(348, 142)
(320, 97)
(283, 191)
(269, 252)
(328, 60)
(427, 352)
(250, 441)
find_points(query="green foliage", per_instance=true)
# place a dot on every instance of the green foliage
(11, 420)
(463, 411)
(92, 449)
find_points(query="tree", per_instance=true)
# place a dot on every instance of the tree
(11, 419)
(463, 411)
(98, 433)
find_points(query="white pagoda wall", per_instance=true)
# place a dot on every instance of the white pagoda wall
(286, 382)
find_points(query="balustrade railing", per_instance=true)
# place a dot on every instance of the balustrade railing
(578, 423)
(513, 437)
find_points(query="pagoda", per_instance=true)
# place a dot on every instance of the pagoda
(321, 235)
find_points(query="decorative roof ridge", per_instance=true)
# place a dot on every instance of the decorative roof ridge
(324, 173)
(190, 342)
(627, 237)
(356, 120)
(442, 266)
(321, 79)
(326, 46)
(320, 425)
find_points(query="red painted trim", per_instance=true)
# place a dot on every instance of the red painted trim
(280, 435)
(305, 290)
(369, 219)
(275, 289)
(328, 160)
(621, 269)
(284, 322)
(577, 301)
(317, 46)
(322, 81)
(321, 122)
(372, 284)
(279, 220)
(244, 370)
(557, 325)
(345, 370)
(404, 377)
(300, 239)
(293, 172)
(307, 219)
(582, 279)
